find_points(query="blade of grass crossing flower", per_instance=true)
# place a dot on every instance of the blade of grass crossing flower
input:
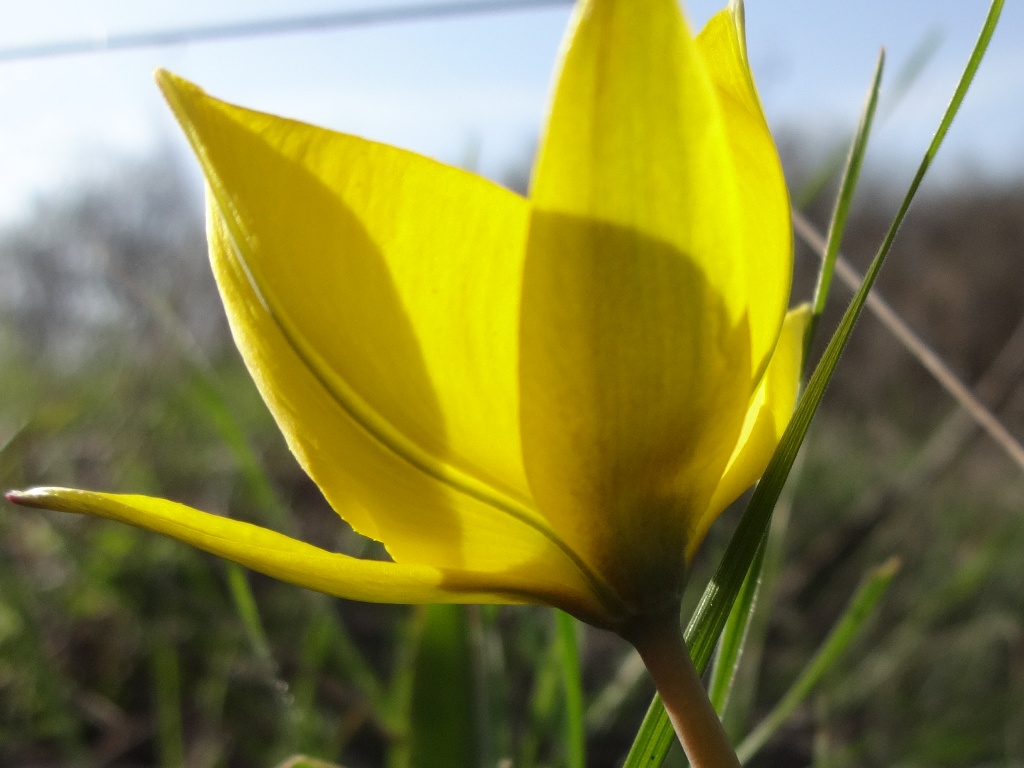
(847, 186)
(730, 646)
(575, 734)
(742, 693)
(838, 640)
(656, 734)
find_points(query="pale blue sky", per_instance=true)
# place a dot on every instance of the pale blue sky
(453, 87)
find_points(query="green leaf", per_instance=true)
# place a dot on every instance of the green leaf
(575, 734)
(838, 640)
(734, 634)
(904, 80)
(245, 604)
(543, 703)
(741, 695)
(837, 224)
(442, 732)
(656, 734)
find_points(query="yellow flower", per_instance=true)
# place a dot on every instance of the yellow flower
(539, 400)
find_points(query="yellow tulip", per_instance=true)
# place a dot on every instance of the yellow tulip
(544, 399)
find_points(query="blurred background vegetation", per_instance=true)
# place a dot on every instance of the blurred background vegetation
(120, 648)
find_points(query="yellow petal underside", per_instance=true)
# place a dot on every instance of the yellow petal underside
(297, 562)
(374, 296)
(767, 417)
(637, 362)
(763, 196)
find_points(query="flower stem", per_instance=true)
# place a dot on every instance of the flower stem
(686, 701)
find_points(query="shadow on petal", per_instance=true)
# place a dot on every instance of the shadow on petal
(318, 317)
(635, 381)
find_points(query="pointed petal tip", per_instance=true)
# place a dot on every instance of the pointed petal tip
(40, 498)
(28, 498)
(167, 80)
(178, 93)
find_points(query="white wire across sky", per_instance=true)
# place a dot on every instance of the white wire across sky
(459, 79)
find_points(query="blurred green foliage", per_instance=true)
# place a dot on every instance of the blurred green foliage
(119, 648)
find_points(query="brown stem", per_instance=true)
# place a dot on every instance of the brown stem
(696, 724)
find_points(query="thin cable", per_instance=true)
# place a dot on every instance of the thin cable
(266, 27)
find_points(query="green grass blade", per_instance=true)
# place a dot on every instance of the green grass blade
(492, 685)
(543, 704)
(916, 63)
(901, 85)
(442, 732)
(245, 604)
(847, 186)
(167, 692)
(575, 733)
(744, 687)
(838, 640)
(656, 735)
(735, 631)
(734, 635)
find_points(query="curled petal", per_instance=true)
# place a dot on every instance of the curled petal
(770, 410)
(307, 566)
(765, 223)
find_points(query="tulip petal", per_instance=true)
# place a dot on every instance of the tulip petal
(295, 561)
(763, 195)
(374, 296)
(635, 364)
(770, 410)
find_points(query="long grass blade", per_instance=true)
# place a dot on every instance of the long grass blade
(902, 83)
(838, 640)
(245, 604)
(544, 703)
(734, 634)
(575, 734)
(744, 687)
(656, 735)
(837, 224)
(442, 732)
